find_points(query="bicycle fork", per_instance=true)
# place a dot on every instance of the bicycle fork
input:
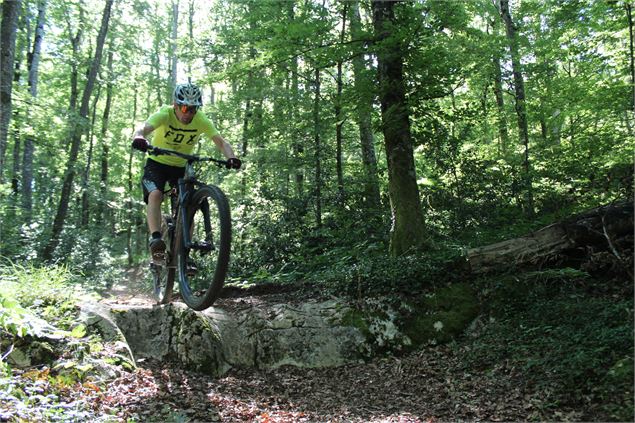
(205, 245)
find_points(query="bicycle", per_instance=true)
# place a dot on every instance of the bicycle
(197, 238)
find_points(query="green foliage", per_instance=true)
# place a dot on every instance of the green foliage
(259, 59)
(39, 329)
(367, 272)
(14, 319)
(30, 294)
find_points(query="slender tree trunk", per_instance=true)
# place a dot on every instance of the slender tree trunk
(521, 110)
(297, 143)
(173, 41)
(631, 39)
(77, 130)
(15, 178)
(105, 148)
(339, 116)
(76, 42)
(24, 24)
(298, 139)
(8, 31)
(85, 215)
(245, 136)
(363, 88)
(503, 135)
(20, 46)
(339, 123)
(190, 31)
(130, 204)
(156, 64)
(408, 229)
(29, 142)
(318, 148)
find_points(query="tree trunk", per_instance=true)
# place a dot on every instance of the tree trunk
(190, 32)
(130, 204)
(105, 148)
(20, 47)
(8, 31)
(521, 110)
(503, 134)
(408, 229)
(363, 88)
(631, 41)
(76, 42)
(500, 105)
(339, 116)
(77, 130)
(29, 142)
(297, 143)
(156, 63)
(24, 24)
(173, 41)
(85, 215)
(318, 147)
(15, 178)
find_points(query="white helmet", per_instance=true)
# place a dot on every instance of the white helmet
(188, 95)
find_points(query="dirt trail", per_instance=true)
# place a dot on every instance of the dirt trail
(133, 289)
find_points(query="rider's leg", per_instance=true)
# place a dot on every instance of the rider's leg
(157, 245)
(154, 211)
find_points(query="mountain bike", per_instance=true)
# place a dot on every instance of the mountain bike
(197, 235)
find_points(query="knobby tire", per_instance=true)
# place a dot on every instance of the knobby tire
(209, 218)
(163, 276)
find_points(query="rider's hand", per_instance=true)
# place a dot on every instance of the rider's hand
(140, 144)
(234, 163)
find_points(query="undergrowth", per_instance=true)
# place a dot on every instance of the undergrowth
(46, 356)
(569, 336)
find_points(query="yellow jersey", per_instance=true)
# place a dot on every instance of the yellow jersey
(171, 134)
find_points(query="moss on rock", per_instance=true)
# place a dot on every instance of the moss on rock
(442, 315)
(355, 318)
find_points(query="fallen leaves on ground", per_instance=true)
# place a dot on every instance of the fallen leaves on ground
(428, 386)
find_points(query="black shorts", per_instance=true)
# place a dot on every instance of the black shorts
(156, 174)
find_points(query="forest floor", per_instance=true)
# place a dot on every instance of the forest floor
(432, 384)
(429, 385)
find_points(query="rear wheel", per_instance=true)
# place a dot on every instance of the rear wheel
(203, 266)
(163, 273)
(163, 280)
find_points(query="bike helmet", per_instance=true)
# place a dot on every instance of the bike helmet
(187, 95)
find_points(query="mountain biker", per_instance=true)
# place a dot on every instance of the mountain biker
(178, 127)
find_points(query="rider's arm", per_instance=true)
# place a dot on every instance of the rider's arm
(143, 131)
(223, 146)
(211, 132)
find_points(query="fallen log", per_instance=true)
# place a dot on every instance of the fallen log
(605, 231)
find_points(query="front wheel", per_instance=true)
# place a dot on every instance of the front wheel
(202, 266)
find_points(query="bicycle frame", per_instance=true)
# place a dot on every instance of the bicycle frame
(185, 187)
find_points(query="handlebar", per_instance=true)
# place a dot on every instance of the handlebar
(156, 151)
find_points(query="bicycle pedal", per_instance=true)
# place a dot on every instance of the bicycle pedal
(204, 246)
(191, 270)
